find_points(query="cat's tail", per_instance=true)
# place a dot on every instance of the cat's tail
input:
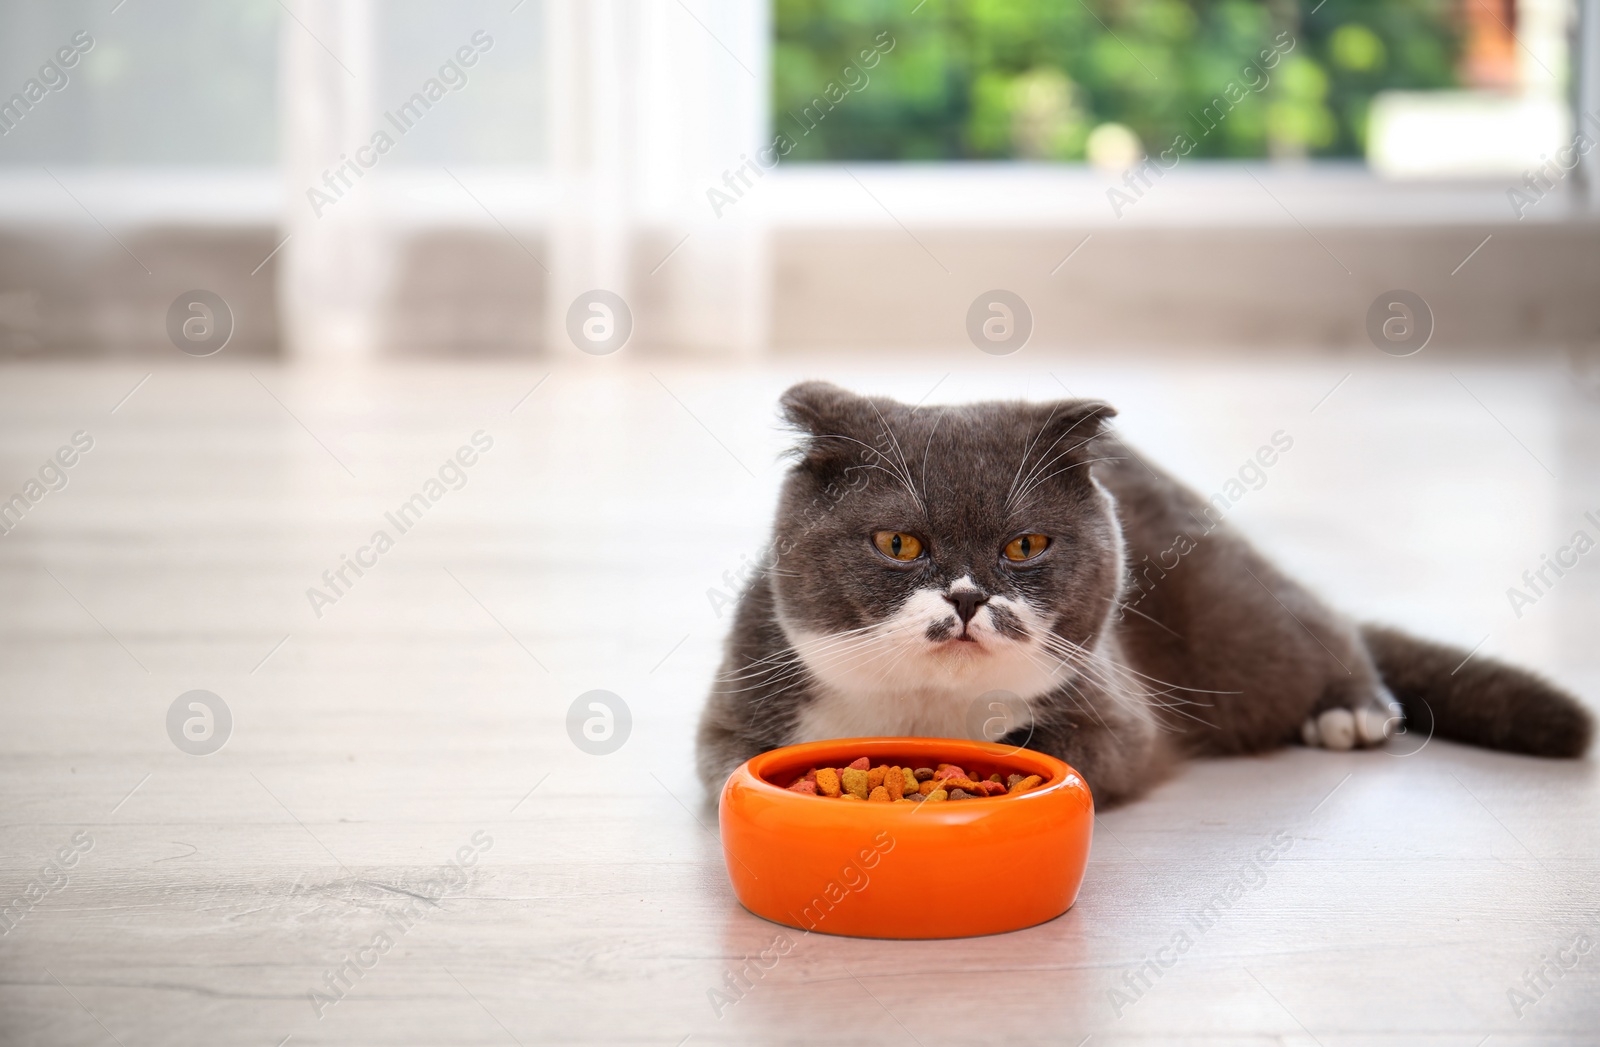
(1475, 699)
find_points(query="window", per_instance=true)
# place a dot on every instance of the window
(1431, 86)
(492, 111)
(83, 84)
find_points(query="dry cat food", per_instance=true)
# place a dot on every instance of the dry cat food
(886, 783)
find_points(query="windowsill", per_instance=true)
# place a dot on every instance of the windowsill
(138, 196)
(257, 197)
(1200, 194)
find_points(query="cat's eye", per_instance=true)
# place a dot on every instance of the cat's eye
(897, 545)
(1025, 547)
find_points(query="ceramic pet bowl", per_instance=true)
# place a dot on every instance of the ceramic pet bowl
(905, 870)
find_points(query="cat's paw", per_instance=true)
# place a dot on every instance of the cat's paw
(1341, 729)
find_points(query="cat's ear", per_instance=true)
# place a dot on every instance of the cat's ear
(1069, 424)
(833, 421)
(822, 408)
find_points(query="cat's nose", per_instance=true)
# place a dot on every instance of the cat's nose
(967, 602)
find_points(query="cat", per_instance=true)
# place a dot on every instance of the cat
(931, 565)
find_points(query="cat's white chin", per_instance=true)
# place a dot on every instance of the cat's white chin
(895, 679)
(959, 651)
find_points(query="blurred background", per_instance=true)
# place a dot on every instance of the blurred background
(367, 180)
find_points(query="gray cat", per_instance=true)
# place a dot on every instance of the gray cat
(933, 563)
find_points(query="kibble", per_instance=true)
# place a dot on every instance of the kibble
(891, 783)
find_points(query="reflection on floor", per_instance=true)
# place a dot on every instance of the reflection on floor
(402, 721)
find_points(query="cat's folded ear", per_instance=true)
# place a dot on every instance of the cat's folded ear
(1072, 423)
(832, 420)
(822, 408)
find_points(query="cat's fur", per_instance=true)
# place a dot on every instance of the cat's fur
(1223, 654)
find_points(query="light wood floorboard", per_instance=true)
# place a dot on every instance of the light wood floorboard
(370, 743)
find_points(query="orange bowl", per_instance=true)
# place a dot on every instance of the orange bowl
(903, 870)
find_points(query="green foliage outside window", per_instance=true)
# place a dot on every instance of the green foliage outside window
(1033, 79)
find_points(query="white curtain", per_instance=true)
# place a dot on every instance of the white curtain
(651, 101)
(331, 273)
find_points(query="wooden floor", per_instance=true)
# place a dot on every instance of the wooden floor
(421, 719)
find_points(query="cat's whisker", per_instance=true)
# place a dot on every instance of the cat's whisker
(753, 673)
(789, 655)
(1175, 686)
(785, 689)
(928, 447)
(852, 660)
(1081, 660)
(1053, 444)
(1135, 691)
(861, 653)
(1143, 697)
(1057, 640)
(830, 641)
(827, 655)
(1129, 607)
(1027, 452)
(890, 472)
(902, 478)
(1046, 460)
(1104, 671)
(883, 674)
(904, 465)
(1068, 468)
(796, 671)
(1045, 479)
(1068, 689)
(1179, 712)
(795, 667)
